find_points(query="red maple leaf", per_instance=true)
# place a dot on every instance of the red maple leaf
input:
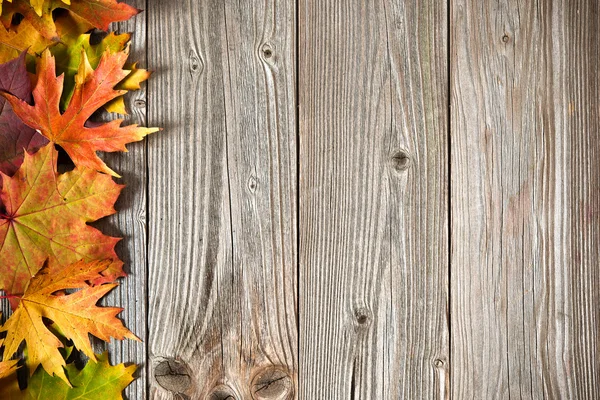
(71, 130)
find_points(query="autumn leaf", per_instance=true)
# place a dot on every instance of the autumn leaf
(15, 136)
(132, 81)
(96, 13)
(45, 216)
(68, 56)
(75, 315)
(9, 386)
(24, 37)
(18, 39)
(7, 368)
(93, 89)
(96, 381)
(67, 52)
(36, 4)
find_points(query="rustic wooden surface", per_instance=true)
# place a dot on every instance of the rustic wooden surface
(363, 200)
(525, 278)
(222, 200)
(373, 200)
(130, 223)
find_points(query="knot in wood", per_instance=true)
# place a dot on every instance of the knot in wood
(505, 38)
(267, 50)
(272, 383)
(363, 316)
(400, 161)
(140, 103)
(252, 184)
(438, 363)
(196, 65)
(173, 375)
(222, 392)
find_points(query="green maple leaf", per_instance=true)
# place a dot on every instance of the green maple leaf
(96, 381)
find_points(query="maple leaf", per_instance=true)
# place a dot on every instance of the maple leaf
(45, 217)
(93, 89)
(9, 386)
(96, 381)
(67, 52)
(132, 81)
(36, 4)
(18, 39)
(7, 368)
(68, 56)
(96, 13)
(15, 136)
(76, 315)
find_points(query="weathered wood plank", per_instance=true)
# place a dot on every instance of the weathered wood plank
(525, 205)
(373, 199)
(222, 208)
(130, 221)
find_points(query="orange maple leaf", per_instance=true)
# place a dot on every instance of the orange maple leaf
(93, 89)
(75, 315)
(44, 215)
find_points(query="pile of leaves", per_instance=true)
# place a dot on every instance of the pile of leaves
(60, 68)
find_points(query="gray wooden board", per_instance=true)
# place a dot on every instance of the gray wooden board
(130, 221)
(525, 204)
(222, 200)
(373, 199)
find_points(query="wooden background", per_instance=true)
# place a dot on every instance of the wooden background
(387, 199)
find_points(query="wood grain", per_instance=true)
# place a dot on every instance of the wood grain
(525, 205)
(373, 199)
(222, 208)
(130, 221)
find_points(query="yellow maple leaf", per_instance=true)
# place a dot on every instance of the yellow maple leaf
(7, 368)
(36, 5)
(75, 315)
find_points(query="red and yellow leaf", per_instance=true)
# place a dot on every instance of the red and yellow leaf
(68, 55)
(45, 216)
(76, 315)
(93, 89)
